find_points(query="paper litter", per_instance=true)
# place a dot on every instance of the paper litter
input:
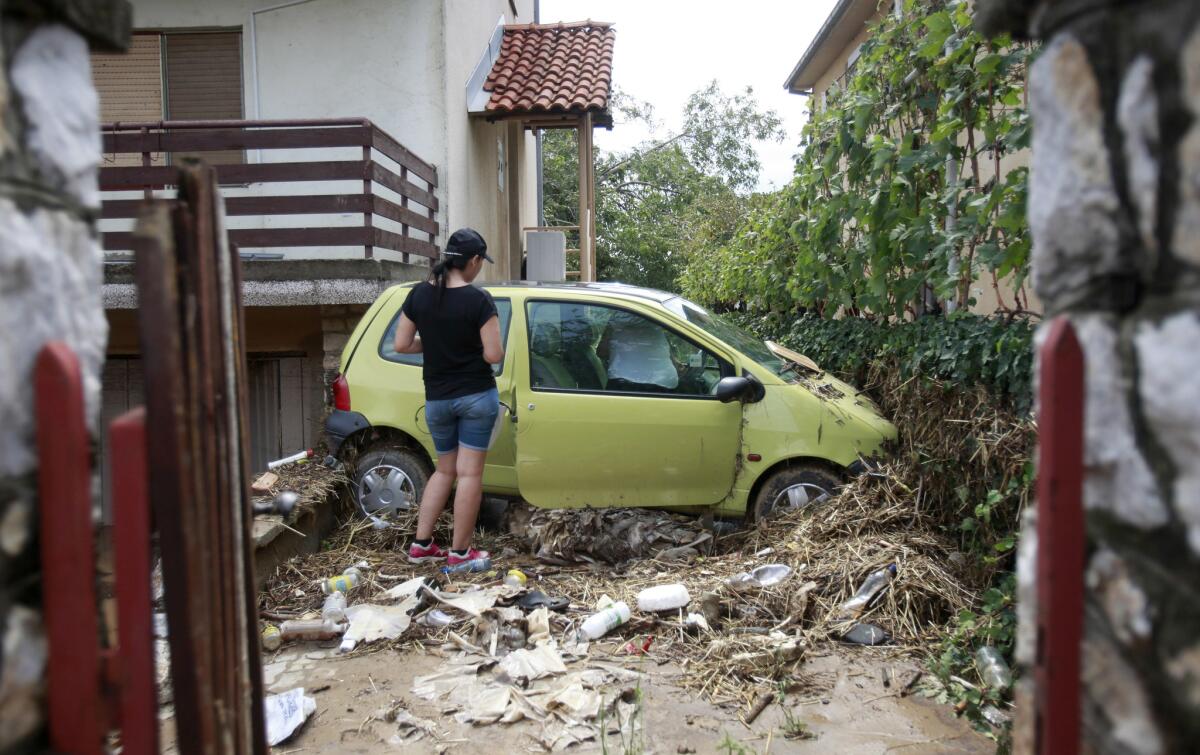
(286, 712)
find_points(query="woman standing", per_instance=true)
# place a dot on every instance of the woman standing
(455, 326)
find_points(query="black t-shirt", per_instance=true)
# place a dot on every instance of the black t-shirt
(449, 330)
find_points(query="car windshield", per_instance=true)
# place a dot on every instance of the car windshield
(731, 334)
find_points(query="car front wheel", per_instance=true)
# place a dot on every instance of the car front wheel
(389, 481)
(794, 487)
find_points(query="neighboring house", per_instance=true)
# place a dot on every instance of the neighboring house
(350, 139)
(829, 62)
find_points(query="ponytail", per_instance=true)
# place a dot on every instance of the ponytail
(442, 268)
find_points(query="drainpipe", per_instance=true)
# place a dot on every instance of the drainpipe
(537, 135)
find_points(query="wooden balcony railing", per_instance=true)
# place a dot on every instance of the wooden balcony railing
(403, 195)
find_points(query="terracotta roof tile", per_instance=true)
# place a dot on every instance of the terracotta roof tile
(552, 68)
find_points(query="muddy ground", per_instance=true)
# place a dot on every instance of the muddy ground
(845, 708)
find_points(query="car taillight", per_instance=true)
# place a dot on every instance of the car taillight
(341, 393)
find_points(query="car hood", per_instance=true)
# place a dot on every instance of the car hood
(844, 401)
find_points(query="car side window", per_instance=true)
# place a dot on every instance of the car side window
(597, 348)
(387, 349)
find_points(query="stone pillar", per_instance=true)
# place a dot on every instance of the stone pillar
(50, 284)
(1114, 210)
(337, 323)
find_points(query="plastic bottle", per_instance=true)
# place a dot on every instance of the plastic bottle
(348, 644)
(310, 629)
(344, 582)
(515, 578)
(663, 598)
(271, 639)
(334, 609)
(992, 669)
(872, 586)
(599, 624)
(477, 564)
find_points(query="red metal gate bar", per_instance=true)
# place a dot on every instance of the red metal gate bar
(1060, 541)
(132, 561)
(68, 554)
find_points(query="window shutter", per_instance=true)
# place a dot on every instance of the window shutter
(130, 88)
(204, 82)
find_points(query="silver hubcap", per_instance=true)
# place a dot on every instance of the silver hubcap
(386, 490)
(799, 496)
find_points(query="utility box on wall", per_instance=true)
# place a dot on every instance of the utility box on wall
(547, 256)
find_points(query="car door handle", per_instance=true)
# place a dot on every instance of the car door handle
(511, 411)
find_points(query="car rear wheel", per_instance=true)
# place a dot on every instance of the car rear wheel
(794, 487)
(389, 481)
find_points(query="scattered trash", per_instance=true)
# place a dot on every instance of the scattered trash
(710, 607)
(663, 598)
(697, 620)
(523, 665)
(436, 618)
(515, 578)
(759, 707)
(370, 622)
(599, 624)
(298, 456)
(872, 587)
(566, 536)
(286, 712)
(334, 609)
(764, 552)
(474, 565)
(344, 582)
(767, 575)
(536, 598)
(866, 634)
(911, 684)
(264, 483)
(635, 648)
(993, 671)
(408, 588)
(604, 601)
(409, 728)
(310, 629)
(995, 716)
(271, 637)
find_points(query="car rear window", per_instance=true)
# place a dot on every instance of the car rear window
(388, 351)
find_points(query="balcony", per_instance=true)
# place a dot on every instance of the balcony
(358, 193)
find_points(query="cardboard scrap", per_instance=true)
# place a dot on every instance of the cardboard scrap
(526, 665)
(286, 712)
(370, 622)
(264, 483)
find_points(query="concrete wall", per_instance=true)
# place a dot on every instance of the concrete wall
(402, 63)
(1114, 209)
(50, 280)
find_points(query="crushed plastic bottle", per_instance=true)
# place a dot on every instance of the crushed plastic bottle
(993, 671)
(474, 565)
(872, 587)
(599, 624)
(663, 598)
(344, 582)
(310, 629)
(334, 609)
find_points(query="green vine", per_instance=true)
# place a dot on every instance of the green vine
(906, 189)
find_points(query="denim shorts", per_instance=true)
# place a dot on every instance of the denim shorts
(465, 421)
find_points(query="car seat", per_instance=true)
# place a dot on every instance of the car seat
(545, 348)
(579, 354)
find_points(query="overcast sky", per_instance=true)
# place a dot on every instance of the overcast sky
(667, 49)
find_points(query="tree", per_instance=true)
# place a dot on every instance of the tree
(664, 197)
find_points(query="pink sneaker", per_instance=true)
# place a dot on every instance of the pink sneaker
(420, 554)
(472, 554)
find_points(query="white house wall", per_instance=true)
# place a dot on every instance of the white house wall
(403, 64)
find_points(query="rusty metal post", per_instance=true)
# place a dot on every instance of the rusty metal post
(1060, 542)
(369, 250)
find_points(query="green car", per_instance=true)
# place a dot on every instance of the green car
(612, 395)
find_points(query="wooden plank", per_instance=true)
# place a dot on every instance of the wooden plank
(133, 565)
(270, 237)
(403, 156)
(170, 469)
(123, 178)
(68, 554)
(201, 140)
(1061, 537)
(386, 208)
(403, 187)
(405, 244)
(317, 204)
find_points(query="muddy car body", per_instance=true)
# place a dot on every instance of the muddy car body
(612, 396)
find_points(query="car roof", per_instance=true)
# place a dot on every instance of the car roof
(650, 294)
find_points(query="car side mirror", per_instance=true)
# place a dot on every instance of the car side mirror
(738, 389)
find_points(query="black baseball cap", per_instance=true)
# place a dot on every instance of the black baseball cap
(466, 242)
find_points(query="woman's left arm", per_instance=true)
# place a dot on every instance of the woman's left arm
(406, 341)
